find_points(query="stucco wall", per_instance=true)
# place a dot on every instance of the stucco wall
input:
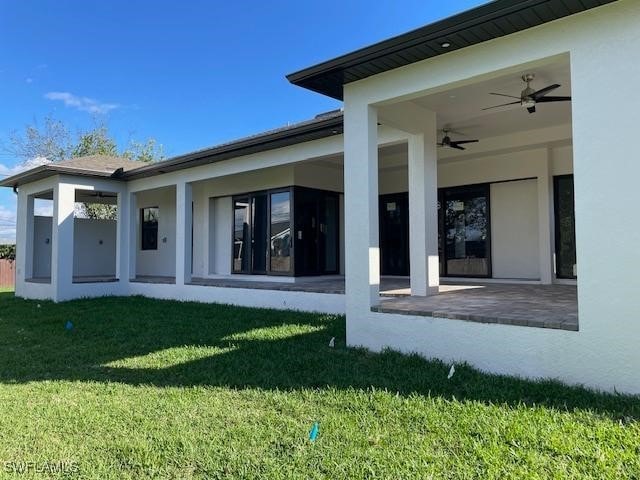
(514, 230)
(161, 262)
(94, 247)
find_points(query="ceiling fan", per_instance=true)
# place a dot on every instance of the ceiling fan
(529, 97)
(447, 142)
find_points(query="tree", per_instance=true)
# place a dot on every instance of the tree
(8, 252)
(53, 142)
(50, 140)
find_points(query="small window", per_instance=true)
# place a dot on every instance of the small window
(149, 228)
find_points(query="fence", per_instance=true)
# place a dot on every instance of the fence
(7, 273)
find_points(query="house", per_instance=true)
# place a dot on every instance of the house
(506, 253)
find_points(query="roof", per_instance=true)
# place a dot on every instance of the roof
(92, 166)
(323, 125)
(486, 22)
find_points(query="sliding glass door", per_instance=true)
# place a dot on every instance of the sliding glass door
(262, 233)
(465, 237)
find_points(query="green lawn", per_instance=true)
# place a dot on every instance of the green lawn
(146, 388)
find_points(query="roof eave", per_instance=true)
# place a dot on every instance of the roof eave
(45, 171)
(328, 77)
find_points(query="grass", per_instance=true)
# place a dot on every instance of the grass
(145, 388)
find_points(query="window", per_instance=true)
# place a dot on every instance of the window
(149, 228)
(565, 227)
(280, 236)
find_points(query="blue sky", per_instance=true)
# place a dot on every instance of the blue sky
(190, 74)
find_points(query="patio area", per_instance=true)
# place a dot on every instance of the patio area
(542, 306)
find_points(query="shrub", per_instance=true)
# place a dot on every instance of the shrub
(7, 252)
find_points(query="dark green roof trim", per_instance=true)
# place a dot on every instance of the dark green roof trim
(486, 22)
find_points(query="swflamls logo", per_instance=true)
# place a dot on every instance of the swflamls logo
(46, 467)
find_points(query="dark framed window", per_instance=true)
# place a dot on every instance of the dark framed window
(565, 226)
(149, 231)
(263, 232)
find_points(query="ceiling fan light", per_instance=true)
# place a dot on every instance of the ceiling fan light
(528, 102)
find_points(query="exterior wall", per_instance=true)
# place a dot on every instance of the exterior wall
(41, 247)
(514, 230)
(161, 262)
(303, 301)
(94, 247)
(604, 353)
(515, 210)
(222, 232)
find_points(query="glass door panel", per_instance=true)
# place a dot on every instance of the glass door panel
(565, 227)
(241, 235)
(329, 234)
(280, 236)
(259, 219)
(394, 234)
(466, 231)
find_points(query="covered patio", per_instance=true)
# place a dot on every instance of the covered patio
(543, 306)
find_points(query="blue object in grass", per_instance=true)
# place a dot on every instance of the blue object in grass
(313, 434)
(68, 325)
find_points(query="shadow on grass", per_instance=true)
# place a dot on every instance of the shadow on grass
(139, 341)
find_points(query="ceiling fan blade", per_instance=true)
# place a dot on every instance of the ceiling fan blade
(531, 109)
(543, 91)
(553, 99)
(457, 147)
(503, 105)
(503, 95)
(459, 142)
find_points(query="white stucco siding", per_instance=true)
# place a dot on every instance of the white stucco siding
(604, 352)
(514, 230)
(319, 175)
(303, 301)
(161, 262)
(94, 247)
(221, 247)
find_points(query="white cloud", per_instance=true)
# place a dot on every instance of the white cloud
(29, 80)
(6, 171)
(84, 104)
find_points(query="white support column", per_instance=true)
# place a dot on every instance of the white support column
(423, 210)
(545, 219)
(24, 239)
(362, 269)
(207, 233)
(62, 240)
(122, 236)
(184, 222)
(132, 235)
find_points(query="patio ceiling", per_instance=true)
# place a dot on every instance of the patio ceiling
(462, 108)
